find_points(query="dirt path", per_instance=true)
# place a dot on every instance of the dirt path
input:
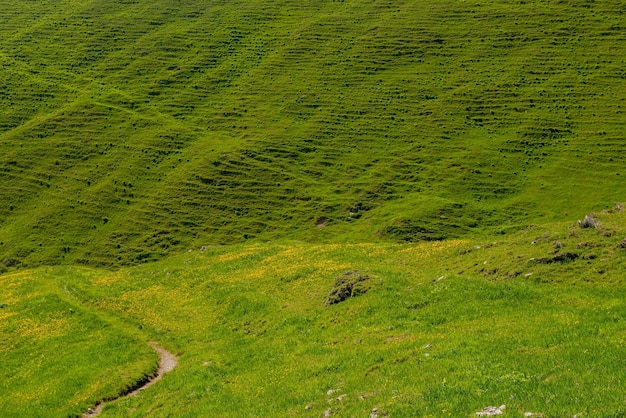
(167, 362)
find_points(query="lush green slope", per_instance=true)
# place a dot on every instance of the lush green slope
(131, 129)
(59, 358)
(534, 321)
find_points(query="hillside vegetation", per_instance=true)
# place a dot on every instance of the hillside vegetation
(320, 208)
(132, 129)
(533, 321)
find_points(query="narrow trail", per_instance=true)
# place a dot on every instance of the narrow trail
(167, 363)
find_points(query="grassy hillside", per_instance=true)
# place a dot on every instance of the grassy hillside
(534, 321)
(130, 130)
(437, 154)
(57, 356)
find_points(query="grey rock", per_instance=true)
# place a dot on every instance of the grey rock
(589, 222)
(491, 411)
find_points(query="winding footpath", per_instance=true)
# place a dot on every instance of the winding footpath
(167, 363)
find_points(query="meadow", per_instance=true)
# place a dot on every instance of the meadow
(132, 130)
(443, 329)
(206, 174)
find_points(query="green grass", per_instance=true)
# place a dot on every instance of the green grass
(441, 148)
(133, 130)
(445, 329)
(58, 357)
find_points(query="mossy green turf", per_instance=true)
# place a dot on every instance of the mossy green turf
(57, 357)
(445, 329)
(133, 129)
(322, 133)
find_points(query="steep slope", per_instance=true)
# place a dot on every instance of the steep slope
(131, 129)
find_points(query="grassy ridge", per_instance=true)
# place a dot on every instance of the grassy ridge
(444, 329)
(134, 129)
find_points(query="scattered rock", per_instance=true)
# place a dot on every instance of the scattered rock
(558, 244)
(491, 411)
(328, 412)
(367, 396)
(533, 415)
(619, 207)
(376, 413)
(340, 397)
(332, 391)
(589, 222)
(203, 248)
(90, 411)
(349, 284)
(321, 222)
(623, 243)
(308, 407)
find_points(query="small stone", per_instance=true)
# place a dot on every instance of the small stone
(90, 411)
(589, 222)
(331, 391)
(328, 412)
(308, 407)
(491, 411)
(340, 397)
(203, 248)
(623, 243)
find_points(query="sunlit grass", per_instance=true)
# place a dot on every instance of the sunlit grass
(58, 357)
(131, 131)
(444, 328)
